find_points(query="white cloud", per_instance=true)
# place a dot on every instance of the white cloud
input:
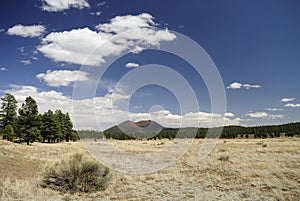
(274, 109)
(249, 86)
(132, 65)
(276, 116)
(257, 115)
(237, 85)
(287, 99)
(111, 39)
(3, 69)
(98, 13)
(292, 105)
(229, 114)
(107, 112)
(2, 30)
(60, 5)
(264, 115)
(26, 62)
(27, 31)
(101, 3)
(59, 78)
(76, 45)
(121, 24)
(46, 99)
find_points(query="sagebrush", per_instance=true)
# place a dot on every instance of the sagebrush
(78, 173)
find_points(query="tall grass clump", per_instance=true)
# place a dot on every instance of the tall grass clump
(78, 173)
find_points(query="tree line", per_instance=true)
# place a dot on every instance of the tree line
(272, 131)
(27, 125)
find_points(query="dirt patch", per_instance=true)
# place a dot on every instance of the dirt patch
(14, 165)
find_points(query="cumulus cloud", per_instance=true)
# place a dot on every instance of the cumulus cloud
(264, 115)
(3, 69)
(274, 109)
(229, 114)
(132, 65)
(121, 24)
(111, 39)
(292, 105)
(237, 85)
(59, 78)
(107, 112)
(60, 5)
(257, 115)
(26, 62)
(51, 99)
(75, 46)
(27, 31)
(287, 99)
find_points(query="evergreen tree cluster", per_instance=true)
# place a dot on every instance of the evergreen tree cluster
(288, 130)
(30, 126)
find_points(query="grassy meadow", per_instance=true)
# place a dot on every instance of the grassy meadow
(237, 169)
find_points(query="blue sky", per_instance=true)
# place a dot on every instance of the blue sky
(45, 48)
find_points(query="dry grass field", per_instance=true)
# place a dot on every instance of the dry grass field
(237, 169)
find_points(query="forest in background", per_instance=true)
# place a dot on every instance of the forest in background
(272, 131)
(28, 125)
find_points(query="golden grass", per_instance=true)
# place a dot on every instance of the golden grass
(252, 172)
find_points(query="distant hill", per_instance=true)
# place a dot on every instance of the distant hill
(136, 130)
(152, 130)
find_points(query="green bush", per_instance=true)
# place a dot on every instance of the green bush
(78, 173)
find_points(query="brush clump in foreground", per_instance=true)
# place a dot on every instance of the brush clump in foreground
(78, 173)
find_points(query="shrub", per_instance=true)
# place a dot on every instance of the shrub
(78, 173)
(67, 198)
(223, 158)
(264, 145)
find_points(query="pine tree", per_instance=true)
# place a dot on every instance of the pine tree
(28, 121)
(60, 116)
(68, 127)
(50, 126)
(8, 133)
(8, 112)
